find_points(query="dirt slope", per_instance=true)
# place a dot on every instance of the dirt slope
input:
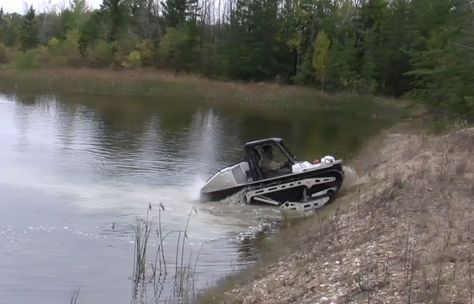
(404, 235)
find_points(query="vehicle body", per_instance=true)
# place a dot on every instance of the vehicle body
(312, 184)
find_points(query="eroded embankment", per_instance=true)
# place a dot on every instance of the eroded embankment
(404, 235)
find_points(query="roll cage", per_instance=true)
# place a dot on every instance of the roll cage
(252, 155)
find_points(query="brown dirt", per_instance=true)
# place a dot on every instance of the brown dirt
(405, 235)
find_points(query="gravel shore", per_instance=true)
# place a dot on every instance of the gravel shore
(403, 233)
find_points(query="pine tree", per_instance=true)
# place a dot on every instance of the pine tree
(253, 48)
(29, 30)
(114, 13)
(442, 65)
(90, 32)
(177, 12)
(2, 25)
(78, 8)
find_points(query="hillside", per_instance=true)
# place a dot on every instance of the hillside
(404, 234)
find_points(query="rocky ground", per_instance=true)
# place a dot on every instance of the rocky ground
(403, 234)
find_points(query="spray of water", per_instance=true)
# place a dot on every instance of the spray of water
(351, 178)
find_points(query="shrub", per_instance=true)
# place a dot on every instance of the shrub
(173, 48)
(305, 72)
(209, 64)
(26, 60)
(127, 44)
(102, 54)
(53, 45)
(147, 52)
(4, 55)
(70, 48)
(133, 60)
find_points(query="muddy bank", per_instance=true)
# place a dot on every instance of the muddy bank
(403, 234)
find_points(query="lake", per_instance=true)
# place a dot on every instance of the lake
(77, 170)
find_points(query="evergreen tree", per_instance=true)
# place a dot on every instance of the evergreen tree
(252, 49)
(91, 31)
(67, 22)
(398, 40)
(423, 47)
(146, 22)
(11, 28)
(115, 15)
(177, 12)
(79, 10)
(2, 25)
(73, 17)
(29, 30)
(443, 61)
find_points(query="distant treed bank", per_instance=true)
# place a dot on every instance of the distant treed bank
(424, 48)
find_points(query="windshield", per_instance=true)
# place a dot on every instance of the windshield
(292, 157)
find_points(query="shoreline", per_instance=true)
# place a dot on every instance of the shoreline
(393, 168)
(156, 83)
(390, 237)
(116, 78)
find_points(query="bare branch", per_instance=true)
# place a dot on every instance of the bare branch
(471, 5)
(464, 46)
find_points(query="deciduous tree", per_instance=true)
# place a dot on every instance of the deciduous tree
(321, 56)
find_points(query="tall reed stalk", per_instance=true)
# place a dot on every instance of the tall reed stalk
(185, 265)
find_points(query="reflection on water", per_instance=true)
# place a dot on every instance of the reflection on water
(76, 172)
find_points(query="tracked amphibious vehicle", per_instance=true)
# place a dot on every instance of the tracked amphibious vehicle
(270, 174)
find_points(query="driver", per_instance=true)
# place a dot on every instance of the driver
(267, 161)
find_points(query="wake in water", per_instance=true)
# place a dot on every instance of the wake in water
(235, 199)
(271, 221)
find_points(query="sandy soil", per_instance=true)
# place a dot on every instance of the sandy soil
(404, 234)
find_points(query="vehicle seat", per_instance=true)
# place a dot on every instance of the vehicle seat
(264, 174)
(258, 170)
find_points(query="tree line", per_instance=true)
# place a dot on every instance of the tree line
(420, 48)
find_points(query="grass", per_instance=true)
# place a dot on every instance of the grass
(74, 296)
(149, 82)
(153, 272)
(142, 235)
(446, 122)
(146, 82)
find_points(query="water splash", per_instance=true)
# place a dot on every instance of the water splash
(351, 178)
(234, 199)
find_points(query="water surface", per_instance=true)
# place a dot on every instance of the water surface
(77, 170)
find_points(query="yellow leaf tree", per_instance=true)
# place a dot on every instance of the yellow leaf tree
(321, 48)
